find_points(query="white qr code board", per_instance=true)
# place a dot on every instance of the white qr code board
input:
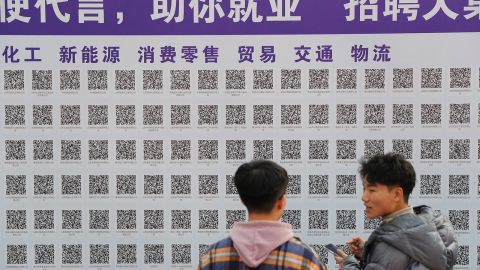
(118, 146)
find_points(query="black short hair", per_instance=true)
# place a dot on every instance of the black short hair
(260, 183)
(391, 170)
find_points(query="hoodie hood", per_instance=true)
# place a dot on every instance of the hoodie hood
(255, 240)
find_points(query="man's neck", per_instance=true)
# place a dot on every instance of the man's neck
(263, 217)
(404, 209)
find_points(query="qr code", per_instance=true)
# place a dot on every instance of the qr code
(293, 217)
(263, 79)
(153, 219)
(291, 79)
(70, 115)
(371, 223)
(207, 115)
(181, 184)
(318, 219)
(14, 115)
(99, 220)
(346, 149)
(374, 78)
(478, 220)
(431, 78)
(460, 113)
(98, 149)
(235, 114)
(181, 219)
(16, 184)
(43, 184)
(458, 184)
(44, 254)
(203, 249)
(126, 219)
(126, 184)
(71, 149)
(235, 79)
(374, 114)
(231, 189)
(152, 115)
(16, 254)
(431, 114)
(124, 79)
(71, 219)
(431, 149)
(402, 114)
(346, 78)
(318, 114)
(180, 149)
(262, 149)
(154, 254)
(16, 219)
(479, 115)
(126, 150)
(346, 184)
(126, 253)
(180, 115)
(291, 114)
(234, 216)
(97, 115)
(207, 149)
(42, 149)
(71, 184)
(478, 255)
(152, 80)
(153, 184)
(180, 79)
(98, 184)
(14, 80)
(318, 78)
(430, 184)
(294, 186)
(99, 254)
(208, 219)
(263, 114)
(42, 115)
(208, 79)
(459, 149)
(43, 219)
(373, 148)
(41, 80)
(346, 114)
(459, 219)
(463, 257)
(235, 149)
(403, 148)
(346, 220)
(69, 80)
(181, 254)
(97, 80)
(153, 149)
(318, 149)
(402, 78)
(208, 184)
(72, 254)
(125, 115)
(321, 252)
(460, 77)
(291, 149)
(318, 184)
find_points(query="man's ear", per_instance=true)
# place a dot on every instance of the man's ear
(398, 194)
(282, 202)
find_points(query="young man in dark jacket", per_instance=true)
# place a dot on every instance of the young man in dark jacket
(408, 238)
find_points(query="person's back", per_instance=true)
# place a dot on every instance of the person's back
(263, 242)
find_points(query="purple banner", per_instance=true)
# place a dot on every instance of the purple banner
(236, 17)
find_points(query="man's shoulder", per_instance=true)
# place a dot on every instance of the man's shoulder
(296, 245)
(223, 243)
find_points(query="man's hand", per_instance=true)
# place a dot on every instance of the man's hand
(340, 259)
(356, 246)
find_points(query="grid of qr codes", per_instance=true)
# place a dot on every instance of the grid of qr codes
(134, 167)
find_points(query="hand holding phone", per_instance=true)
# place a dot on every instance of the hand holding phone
(332, 249)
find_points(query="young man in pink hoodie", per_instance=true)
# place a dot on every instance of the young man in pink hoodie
(263, 242)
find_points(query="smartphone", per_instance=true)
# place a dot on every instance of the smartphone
(332, 248)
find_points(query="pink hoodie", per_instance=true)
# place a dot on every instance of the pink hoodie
(255, 240)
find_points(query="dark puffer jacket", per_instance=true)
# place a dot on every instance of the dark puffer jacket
(424, 240)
